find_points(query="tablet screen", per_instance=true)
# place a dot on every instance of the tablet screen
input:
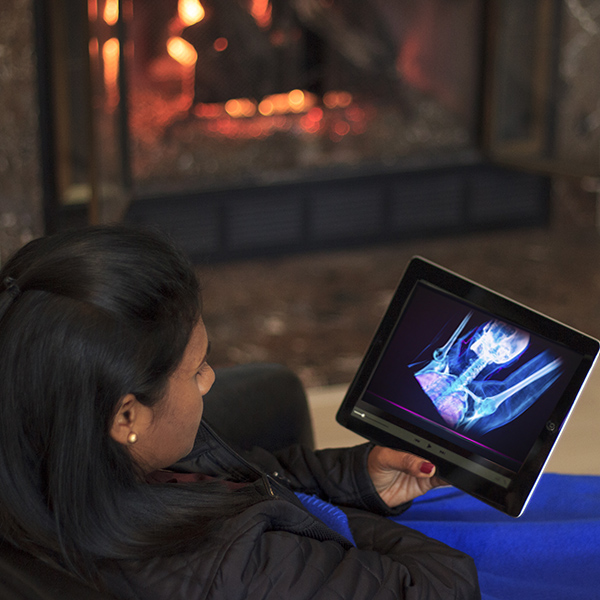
(477, 392)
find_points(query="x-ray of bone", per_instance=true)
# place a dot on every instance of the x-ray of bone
(469, 382)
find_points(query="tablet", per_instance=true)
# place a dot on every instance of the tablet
(478, 384)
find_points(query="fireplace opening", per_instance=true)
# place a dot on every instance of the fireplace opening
(247, 126)
(267, 90)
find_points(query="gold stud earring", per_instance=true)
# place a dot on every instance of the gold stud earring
(132, 438)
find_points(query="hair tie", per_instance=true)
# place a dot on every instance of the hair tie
(11, 286)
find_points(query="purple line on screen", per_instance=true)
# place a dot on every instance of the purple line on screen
(439, 425)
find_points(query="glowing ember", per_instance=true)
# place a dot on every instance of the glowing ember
(189, 114)
(241, 107)
(94, 48)
(296, 101)
(190, 12)
(220, 44)
(111, 12)
(336, 99)
(183, 52)
(208, 111)
(261, 11)
(92, 10)
(111, 51)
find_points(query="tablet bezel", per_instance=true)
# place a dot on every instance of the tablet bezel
(510, 498)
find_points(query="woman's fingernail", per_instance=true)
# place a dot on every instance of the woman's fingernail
(426, 468)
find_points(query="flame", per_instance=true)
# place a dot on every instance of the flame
(111, 51)
(334, 99)
(110, 56)
(183, 52)
(238, 118)
(111, 12)
(92, 10)
(190, 12)
(94, 48)
(261, 11)
(311, 122)
(240, 107)
(208, 111)
(295, 101)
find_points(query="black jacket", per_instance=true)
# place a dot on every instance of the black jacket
(278, 550)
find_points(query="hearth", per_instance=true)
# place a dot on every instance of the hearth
(248, 127)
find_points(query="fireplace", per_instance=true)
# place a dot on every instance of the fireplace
(247, 127)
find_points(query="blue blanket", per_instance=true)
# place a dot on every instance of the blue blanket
(552, 552)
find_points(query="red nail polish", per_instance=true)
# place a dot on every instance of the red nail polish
(426, 468)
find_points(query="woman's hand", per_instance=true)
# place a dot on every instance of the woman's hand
(400, 477)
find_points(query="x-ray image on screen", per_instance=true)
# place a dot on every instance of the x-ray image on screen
(469, 381)
(469, 376)
(477, 383)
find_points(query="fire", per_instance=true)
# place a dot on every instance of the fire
(240, 107)
(208, 111)
(110, 57)
(335, 114)
(220, 44)
(94, 48)
(261, 11)
(92, 10)
(111, 51)
(311, 122)
(111, 12)
(190, 12)
(335, 99)
(183, 52)
(295, 101)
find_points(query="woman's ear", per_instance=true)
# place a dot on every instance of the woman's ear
(124, 421)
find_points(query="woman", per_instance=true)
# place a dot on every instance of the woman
(103, 367)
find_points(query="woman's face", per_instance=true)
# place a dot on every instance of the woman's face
(166, 432)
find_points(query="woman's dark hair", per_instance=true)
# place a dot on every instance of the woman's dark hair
(86, 317)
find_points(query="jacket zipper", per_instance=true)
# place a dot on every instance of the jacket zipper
(268, 486)
(264, 477)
